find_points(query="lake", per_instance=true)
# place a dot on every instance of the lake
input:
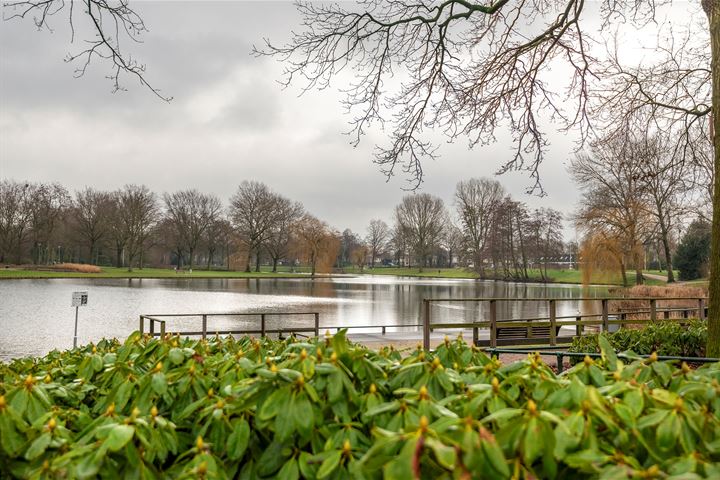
(36, 316)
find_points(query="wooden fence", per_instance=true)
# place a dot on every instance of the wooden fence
(553, 323)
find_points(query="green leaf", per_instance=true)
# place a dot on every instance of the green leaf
(445, 455)
(329, 465)
(159, 383)
(304, 416)
(289, 471)
(176, 356)
(119, 436)
(238, 440)
(38, 446)
(608, 352)
(668, 431)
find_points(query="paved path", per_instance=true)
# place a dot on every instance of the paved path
(652, 276)
(411, 339)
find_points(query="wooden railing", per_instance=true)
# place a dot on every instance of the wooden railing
(554, 323)
(260, 329)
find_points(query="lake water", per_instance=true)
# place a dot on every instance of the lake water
(36, 316)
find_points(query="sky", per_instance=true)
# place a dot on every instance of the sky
(229, 120)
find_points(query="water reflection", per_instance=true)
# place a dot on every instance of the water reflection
(35, 315)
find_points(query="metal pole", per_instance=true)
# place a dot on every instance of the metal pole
(493, 323)
(75, 336)
(426, 325)
(553, 317)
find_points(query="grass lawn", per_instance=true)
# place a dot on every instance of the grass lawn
(556, 275)
(114, 272)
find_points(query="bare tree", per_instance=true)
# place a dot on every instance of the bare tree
(377, 237)
(316, 241)
(453, 241)
(279, 239)
(359, 256)
(422, 217)
(48, 203)
(15, 225)
(217, 238)
(138, 213)
(253, 212)
(91, 212)
(191, 213)
(476, 201)
(106, 27)
(666, 185)
(613, 201)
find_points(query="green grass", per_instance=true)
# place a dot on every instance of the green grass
(115, 272)
(556, 275)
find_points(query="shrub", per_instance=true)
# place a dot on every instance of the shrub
(245, 408)
(663, 337)
(693, 253)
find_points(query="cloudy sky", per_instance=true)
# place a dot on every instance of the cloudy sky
(229, 120)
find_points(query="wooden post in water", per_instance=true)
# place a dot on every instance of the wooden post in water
(426, 324)
(553, 322)
(493, 323)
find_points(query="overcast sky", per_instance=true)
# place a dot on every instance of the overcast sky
(229, 120)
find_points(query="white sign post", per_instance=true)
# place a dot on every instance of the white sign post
(79, 299)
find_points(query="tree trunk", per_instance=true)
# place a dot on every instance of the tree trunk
(712, 8)
(666, 248)
(190, 258)
(248, 269)
(275, 262)
(257, 261)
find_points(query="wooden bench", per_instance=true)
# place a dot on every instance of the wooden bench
(519, 335)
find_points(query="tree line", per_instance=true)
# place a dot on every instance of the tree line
(132, 227)
(638, 195)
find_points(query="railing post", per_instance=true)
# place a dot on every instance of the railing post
(666, 315)
(606, 325)
(162, 329)
(383, 329)
(152, 326)
(262, 325)
(701, 308)
(493, 323)
(653, 309)
(553, 324)
(204, 327)
(529, 330)
(579, 327)
(142, 324)
(426, 324)
(476, 336)
(317, 324)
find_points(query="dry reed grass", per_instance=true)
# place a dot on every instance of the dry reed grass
(642, 307)
(76, 267)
